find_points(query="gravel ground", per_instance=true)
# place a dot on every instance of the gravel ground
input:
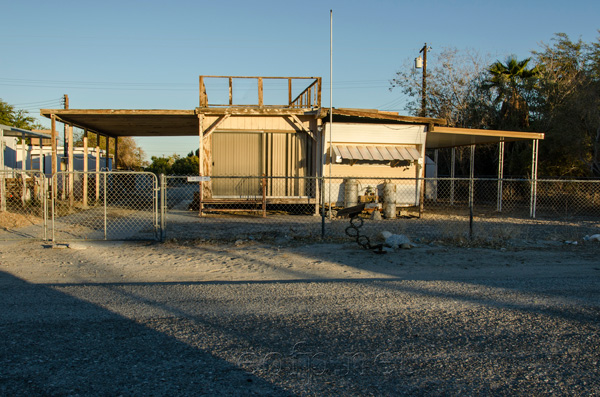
(200, 318)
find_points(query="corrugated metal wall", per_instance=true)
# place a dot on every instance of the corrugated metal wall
(252, 154)
(236, 154)
(288, 155)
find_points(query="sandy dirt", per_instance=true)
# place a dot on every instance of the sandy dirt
(191, 261)
(249, 318)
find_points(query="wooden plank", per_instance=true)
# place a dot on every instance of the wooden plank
(215, 125)
(262, 77)
(302, 127)
(200, 162)
(489, 133)
(260, 92)
(384, 116)
(202, 90)
(116, 112)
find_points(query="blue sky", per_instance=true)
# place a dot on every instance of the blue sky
(149, 54)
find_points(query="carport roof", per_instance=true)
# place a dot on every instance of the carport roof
(129, 122)
(8, 130)
(445, 137)
(161, 122)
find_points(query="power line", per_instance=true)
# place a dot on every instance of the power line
(155, 86)
(51, 101)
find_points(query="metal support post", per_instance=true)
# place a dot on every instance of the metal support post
(452, 174)
(85, 169)
(264, 196)
(534, 164)
(162, 205)
(471, 176)
(500, 175)
(105, 207)
(44, 205)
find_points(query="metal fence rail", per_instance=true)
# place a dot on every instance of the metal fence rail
(23, 209)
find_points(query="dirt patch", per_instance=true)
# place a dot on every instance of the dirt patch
(11, 220)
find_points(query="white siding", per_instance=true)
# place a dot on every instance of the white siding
(385, 134)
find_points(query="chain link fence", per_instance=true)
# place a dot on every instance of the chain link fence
(23, 209)
(105, 206)
(139, 206)
(488, 211)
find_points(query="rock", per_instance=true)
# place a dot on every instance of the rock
(77, 246)
(396, 241)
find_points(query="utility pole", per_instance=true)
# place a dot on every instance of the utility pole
(65, 106)
(424, 87)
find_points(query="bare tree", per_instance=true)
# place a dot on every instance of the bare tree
(453, 77)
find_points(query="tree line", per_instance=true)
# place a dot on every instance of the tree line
(555, 91)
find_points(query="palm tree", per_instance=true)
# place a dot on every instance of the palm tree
(508, 80)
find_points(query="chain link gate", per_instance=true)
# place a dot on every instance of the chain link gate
(23, 209)
(105, 206)
(246, 208)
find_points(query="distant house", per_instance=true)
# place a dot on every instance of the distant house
(35, 147)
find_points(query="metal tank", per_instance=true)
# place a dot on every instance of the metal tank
(350, 192)
(389, 200)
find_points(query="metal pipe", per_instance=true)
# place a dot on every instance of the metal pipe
(52, 200)
(452, 174)
(471, 175)
(330, 104)
(534, 164)
(44, 205)
(500, 174)
(105, 205)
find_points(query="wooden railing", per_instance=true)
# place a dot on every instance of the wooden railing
(310, 97)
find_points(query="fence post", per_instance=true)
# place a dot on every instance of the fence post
(500, 175)
(320, 181)
(163, 205)
(534, 164)
(452, 174)
(52, 198)
(264, 196)
(44, 204)
(105, 207)
(471, 175)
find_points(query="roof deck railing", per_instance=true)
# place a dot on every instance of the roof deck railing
(309, 98)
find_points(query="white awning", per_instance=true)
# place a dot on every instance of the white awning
(375, 153)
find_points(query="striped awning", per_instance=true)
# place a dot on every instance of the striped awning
(375, 153)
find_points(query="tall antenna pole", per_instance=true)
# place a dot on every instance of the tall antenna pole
(424, 91)
(330, 102)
